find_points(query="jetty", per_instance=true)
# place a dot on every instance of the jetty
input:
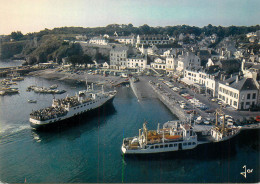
(169, 101)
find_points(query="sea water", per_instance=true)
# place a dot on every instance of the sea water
(90, 151)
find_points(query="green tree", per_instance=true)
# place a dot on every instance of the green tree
(17, 35)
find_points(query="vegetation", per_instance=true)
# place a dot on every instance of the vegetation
(80, 59)
(146, 29)
(16, 35)
(49, 44)
(9, 49)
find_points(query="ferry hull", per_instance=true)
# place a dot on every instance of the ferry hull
(213, 150)
(71, 120)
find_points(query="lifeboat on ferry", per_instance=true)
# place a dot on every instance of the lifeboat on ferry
(171, 137)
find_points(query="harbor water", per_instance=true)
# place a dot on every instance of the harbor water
(90, 151)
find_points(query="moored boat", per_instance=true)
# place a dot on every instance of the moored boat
(223, 132)
(174, 136)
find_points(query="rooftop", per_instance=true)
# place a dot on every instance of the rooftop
(240, 84)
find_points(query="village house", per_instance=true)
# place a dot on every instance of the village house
(170, 64)
(98, 40)
(137, 62)
(128, 40)
(239, 92)
(159, 63)
(187, 59)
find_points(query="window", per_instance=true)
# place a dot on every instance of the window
(175, 145)
(152, 147)
(161, 146)
(248, 96)
(156, 146)
(254, 96)
(189, 143)
(247, 103)
(193, 143)
(166, 145)
(184, 144)
(235, 103)
(171, 145)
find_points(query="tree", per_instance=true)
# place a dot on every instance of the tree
(17, 35)
(145, 29)
(86, 59)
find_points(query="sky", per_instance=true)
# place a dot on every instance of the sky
(35, 15)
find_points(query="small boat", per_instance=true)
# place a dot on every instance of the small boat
(12, 91)
(54, 86)
(2, 92)
(17, 79)
(32, 101)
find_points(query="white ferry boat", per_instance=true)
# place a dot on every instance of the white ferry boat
(174, 136)
(69, 107)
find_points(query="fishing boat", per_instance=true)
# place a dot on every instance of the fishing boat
(67, 108)
(174, 136)
(17, 79)
(222, 131)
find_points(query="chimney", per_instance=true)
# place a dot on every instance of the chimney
(237, 78)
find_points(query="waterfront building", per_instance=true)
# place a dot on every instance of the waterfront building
(137, 62)
(159, 63)
(118, 55)
(204, 77)
(239, 92)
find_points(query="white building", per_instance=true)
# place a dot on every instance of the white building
(159, 64)
(128, 40)
(171, 64)
(137, 62)
(186, 60)
(238, 92)
(205, 78)
(98, 40)
(152, 40)
(118, 57)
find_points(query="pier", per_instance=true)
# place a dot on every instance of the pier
(169, 101)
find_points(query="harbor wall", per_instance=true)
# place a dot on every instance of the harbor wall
(133, 87)
(170, 103)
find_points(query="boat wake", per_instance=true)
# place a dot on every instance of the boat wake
(10, 133)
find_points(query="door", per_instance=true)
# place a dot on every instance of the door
(180, 146)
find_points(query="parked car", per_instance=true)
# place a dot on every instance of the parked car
(209, 110)
(183, 106)
(191, 112)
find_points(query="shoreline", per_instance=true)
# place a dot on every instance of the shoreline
(52, 74)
